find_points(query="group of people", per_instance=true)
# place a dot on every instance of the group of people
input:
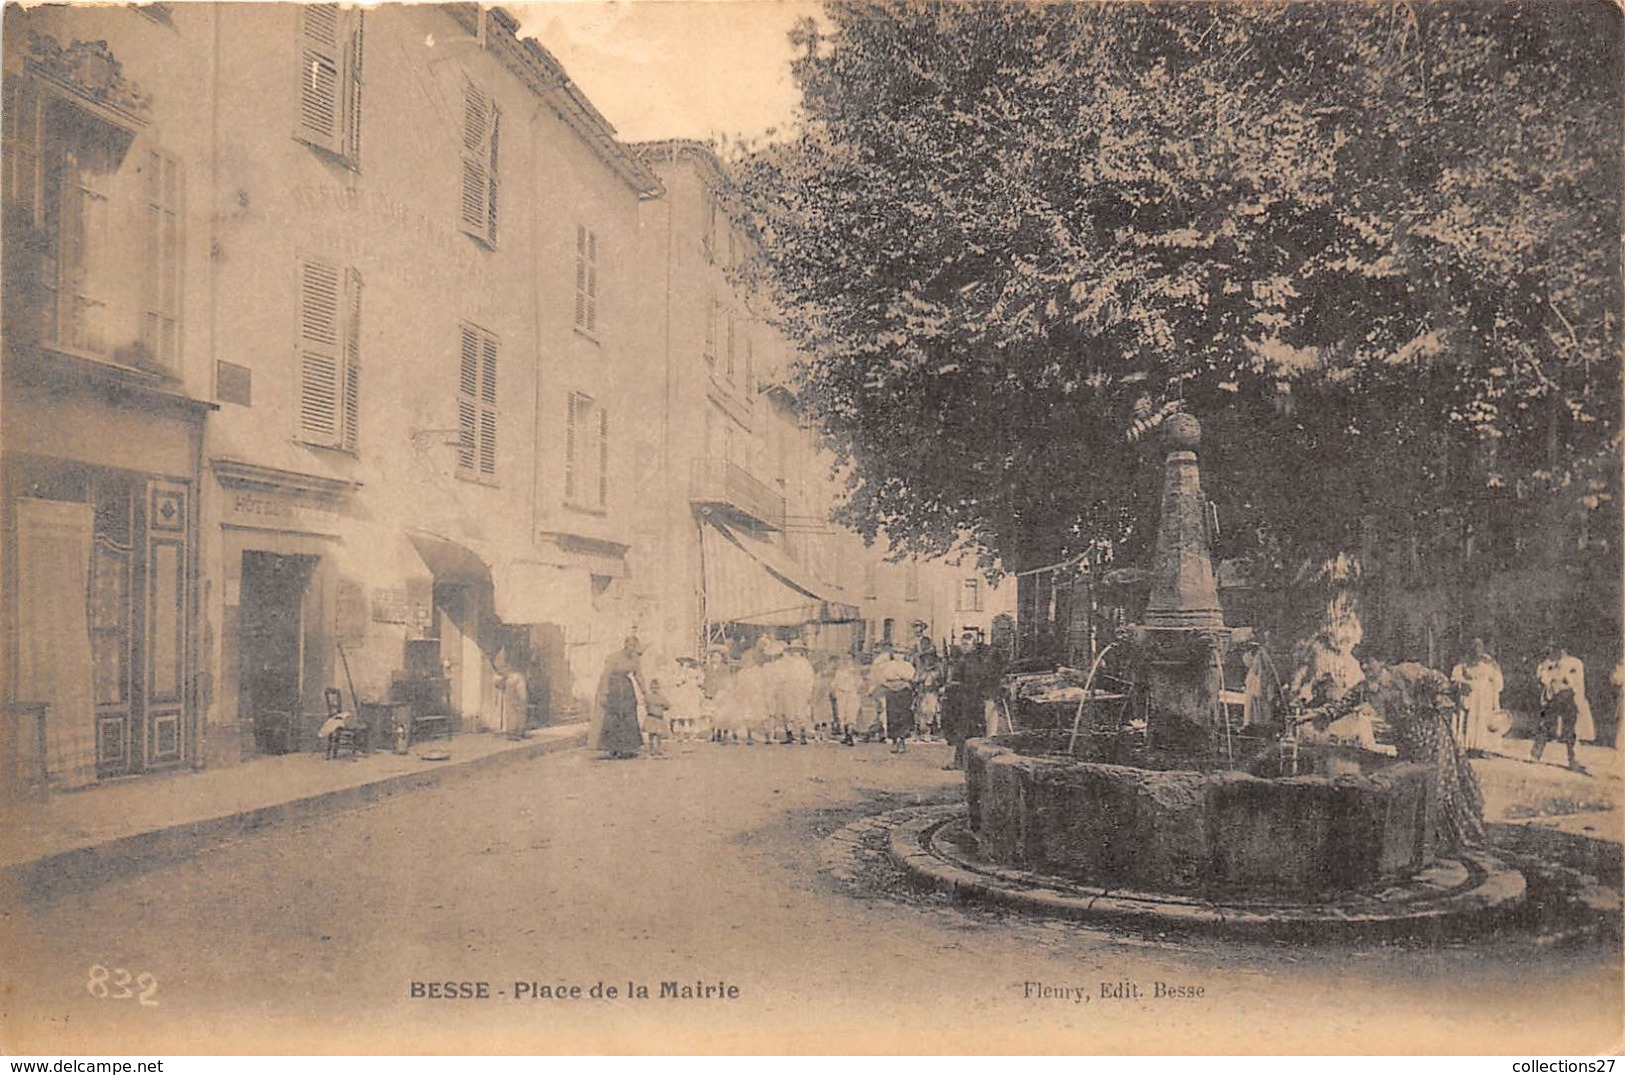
(1475, 718)
(1443, 720)
(779, 692)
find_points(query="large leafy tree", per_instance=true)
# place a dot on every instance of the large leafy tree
(1373, 246)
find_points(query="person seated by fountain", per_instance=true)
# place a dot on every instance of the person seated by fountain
(1336, 714)
(1416, 702)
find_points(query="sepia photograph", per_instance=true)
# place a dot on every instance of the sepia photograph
(812, 528)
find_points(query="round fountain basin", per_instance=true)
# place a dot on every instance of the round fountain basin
(1118, 814)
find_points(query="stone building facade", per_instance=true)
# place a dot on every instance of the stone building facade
(347, 349)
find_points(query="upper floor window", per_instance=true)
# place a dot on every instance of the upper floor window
(477, 404)
(482, 121)
(586, 454)
(330, 80)
(911, 580)
(586, 313)
(329, 356)
(93, 218)
(970, 595)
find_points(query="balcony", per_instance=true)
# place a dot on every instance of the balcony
(717, 483)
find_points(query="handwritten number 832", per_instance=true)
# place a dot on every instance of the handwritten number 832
(114, 984)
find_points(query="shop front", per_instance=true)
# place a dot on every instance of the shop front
(100, 522)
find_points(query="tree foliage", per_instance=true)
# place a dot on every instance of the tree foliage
(1373, 246)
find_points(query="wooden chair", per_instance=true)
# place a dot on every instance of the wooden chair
(351, 734)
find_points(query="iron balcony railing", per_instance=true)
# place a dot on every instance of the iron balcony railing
(719, 483)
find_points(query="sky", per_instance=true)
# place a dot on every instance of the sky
(676, 68)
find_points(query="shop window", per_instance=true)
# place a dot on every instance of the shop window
(329, 359)
(586, 310)
(586, 454)
(86, 199)
(482, 121)
(477, 404)
(330, 80)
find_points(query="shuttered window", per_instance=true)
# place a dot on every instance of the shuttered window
(587, 280)
(586, 453)
(21, 131)
(477, 404)
(330, 80)
(329, 355)
(482, 121)
(104, 216)
(160, 325)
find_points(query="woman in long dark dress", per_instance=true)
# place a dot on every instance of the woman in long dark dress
(1415, 702)
(618, 733)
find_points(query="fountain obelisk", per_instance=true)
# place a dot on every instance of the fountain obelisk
(1184, 631)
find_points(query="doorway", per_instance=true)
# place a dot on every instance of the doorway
(272, 647)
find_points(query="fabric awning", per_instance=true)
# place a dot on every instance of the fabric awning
(522, 591)
(749, 581)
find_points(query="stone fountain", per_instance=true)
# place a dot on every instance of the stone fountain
(1172, 813)
(1183, 824)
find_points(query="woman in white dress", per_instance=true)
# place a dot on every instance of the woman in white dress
(1479, 682)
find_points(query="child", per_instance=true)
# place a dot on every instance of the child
(655, 727)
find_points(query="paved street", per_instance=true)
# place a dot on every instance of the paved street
(705, 867)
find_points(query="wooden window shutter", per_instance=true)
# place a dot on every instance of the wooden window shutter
(488, 405)
(603, 458)
(160, 324)
(581, 277)
(492, 173)
(592, 281)
(321, 109)
(318, 362)
(468, 409)
(570, 433)
(586, 308)
(21, 131)
(352, 358)
(352, 90)
(481, 139)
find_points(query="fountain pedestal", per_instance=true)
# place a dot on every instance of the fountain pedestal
(1184, 636)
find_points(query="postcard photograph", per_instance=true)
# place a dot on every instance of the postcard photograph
(811, 527)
